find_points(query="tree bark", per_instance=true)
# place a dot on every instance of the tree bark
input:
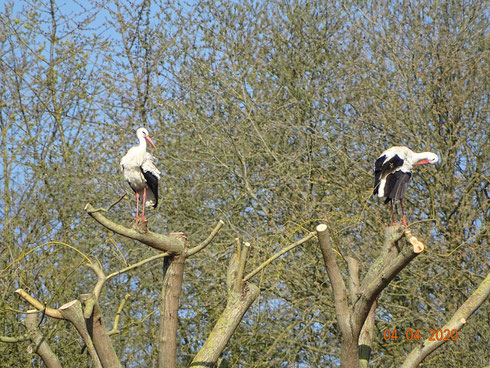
(72, 312)
(169, 307)
(392, 260)
(100, 338)
(366, 336)
(349, 352)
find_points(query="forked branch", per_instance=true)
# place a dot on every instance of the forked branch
(239, 301)
(392, 260)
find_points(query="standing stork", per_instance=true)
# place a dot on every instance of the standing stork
(392, 172)
(139, 170)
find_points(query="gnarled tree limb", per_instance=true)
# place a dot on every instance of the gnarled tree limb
(170, 244)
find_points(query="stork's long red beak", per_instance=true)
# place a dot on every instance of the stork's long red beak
(147, 137)
(422, 162)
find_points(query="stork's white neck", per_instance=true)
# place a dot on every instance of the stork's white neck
(142, 141)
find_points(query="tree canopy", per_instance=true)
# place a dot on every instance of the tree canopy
(268, 115)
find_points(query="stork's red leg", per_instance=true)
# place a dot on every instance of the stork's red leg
(144, 204)
(403, 213)
(137, 206)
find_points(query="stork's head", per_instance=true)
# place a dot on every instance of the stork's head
(142, 133)
(427, 158)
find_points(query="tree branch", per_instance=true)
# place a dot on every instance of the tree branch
(242, 261)
(173, 245)
(99, 335)
(39, 344)
(366, 336)
(102, 209)
(336, 280)
(54, 313)
(115, 329)
(237, 304)
(208, 240)
(348, 349)
(137, 264)
(391, 261)
(101, 279)
(457, 321)
(72, 312)
(353, 268)
(14, 339)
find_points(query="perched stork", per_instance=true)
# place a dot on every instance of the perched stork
(392, 172)
(139, 170)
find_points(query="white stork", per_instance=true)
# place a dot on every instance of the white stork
(139, 170)
(392, 172)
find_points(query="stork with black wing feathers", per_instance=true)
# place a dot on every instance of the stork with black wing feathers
(392, 172)
(138, 168)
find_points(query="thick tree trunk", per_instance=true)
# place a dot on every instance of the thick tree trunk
(349, 352)
(169, 307)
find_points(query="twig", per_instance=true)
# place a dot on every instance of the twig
(208, 240)
(238, 247)
(102, 209)
(115, 329)
(242, 261)
(14, 339)
(137, 264)
(277, 255)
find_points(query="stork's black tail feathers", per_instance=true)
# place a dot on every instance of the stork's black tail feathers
(396, 185)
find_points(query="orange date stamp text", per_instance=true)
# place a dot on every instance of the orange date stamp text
(434, 335)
